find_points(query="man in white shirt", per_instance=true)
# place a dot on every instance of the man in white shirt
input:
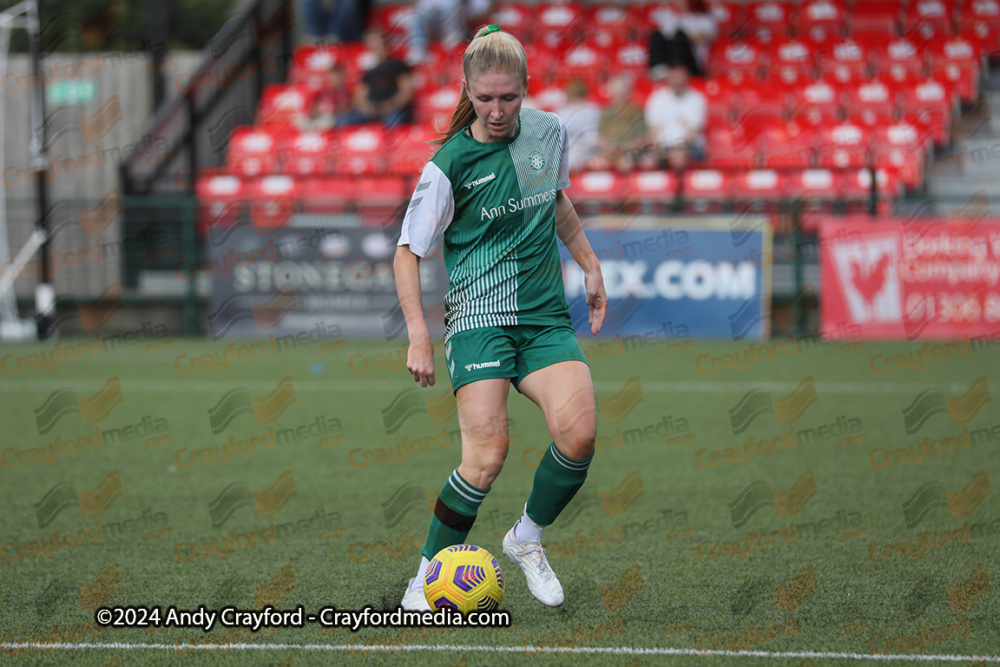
(675, 116)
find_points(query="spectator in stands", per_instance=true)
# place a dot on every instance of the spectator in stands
(336, 20)
(443, 21)
(623, 128)
(675, 116)
(333, 100)
(385, 92)
(682, 38)
(582, 119)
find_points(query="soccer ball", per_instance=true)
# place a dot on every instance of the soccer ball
(464, 577)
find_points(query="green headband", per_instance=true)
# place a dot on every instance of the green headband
(491, 28)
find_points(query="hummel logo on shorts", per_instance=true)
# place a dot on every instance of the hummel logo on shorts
(485, 364)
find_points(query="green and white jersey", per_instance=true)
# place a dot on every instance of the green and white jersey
(495, 206)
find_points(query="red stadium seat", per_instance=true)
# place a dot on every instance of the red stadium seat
(983, 33)
(787, 146)
(272, 201)
(987, 11)
(842, 146)
(847, 62)
(790, 61)
(395, 21)
(757, 185)
(251, 152)
(820, 185)
(560, 25)
(773, 16)
(872, 102)
(655, 191)
(550, 98)
(829, 14)
(310, 64)
(930, 104)
(378, 193)
(220, 201)
(326, 194)
(856, 189)
(615, 23)
(597, 190)
(879, 16)
(728, 15)
(818, 102)
(726, 151)
(898, 58)
(631, 57)
(307, 154)
(705, 189)
(956, 61)
(929, 17)
(898, 147)
(517, 19)
(409, 149)
(736, 61)
(362, 149)
(281, 104)
(584, 62)
(436, 107)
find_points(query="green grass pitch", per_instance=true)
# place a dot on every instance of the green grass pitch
(823, 498)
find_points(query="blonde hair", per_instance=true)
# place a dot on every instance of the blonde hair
(489, 51)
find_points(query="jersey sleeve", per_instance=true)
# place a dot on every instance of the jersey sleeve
(431, 210)
(563, 181)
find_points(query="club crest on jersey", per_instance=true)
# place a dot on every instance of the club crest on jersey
(480, 181)
(537, 161)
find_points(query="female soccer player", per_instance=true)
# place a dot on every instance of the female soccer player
(494, 191)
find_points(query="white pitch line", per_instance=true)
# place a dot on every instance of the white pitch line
(353, 386)
(451, 648)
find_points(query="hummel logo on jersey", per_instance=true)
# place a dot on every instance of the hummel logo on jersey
(480, 181)
(485, 364)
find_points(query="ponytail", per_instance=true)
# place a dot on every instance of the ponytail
(490, 50)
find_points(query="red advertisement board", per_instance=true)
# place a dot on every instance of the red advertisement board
(909, 279)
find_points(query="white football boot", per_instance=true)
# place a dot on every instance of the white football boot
(542, 581)
(414, 598)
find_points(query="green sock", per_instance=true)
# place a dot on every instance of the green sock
(454, 514)
(557, 480)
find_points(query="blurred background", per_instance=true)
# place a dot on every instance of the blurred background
(172, 135)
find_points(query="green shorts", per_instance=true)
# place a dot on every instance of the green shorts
(508, 352)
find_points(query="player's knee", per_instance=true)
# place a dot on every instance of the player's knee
(484, 469)
(580, 443)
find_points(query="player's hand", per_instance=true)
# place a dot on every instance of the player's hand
(597, 299)
(420, 361)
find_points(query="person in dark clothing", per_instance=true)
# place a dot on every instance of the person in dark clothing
(681, 38)
(385, 92)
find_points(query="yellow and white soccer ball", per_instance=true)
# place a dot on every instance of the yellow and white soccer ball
(464, 577)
